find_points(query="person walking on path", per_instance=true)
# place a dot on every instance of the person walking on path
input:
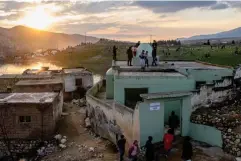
(149, 149)
(114, 52)
(134, 151)
(187, 152)
(168, 139)
(121, 146)
(129, 55)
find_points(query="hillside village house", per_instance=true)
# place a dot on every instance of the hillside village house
(29, 115)
(138, 103)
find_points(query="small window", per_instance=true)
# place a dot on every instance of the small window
(24, 118)
(78, 82)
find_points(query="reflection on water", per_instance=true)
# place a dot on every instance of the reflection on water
(18, 69)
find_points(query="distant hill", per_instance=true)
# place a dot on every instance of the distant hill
(21, 38)
(235, 33)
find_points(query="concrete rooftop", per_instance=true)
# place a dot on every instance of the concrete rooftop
(74, 70)
(174, 64)
(39, 82)
(47, 97)
(152, 74)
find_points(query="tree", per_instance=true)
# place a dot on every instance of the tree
(5, 113)
(233, 42)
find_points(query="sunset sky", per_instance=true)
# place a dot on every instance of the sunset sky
(124, 20)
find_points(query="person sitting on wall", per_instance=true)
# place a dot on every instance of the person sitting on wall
(173, 121)
(142, 59)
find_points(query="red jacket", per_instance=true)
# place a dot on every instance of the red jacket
(168, 139)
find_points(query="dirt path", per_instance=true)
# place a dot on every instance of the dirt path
(81, 144)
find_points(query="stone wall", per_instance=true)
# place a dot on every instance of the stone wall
(209, 94)
(226, 117)
(109, 119)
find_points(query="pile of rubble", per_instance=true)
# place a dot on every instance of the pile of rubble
(19, 146)
(226, 119)
(79, 102)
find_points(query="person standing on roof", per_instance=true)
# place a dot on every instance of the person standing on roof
(114, 52)
(129, 56)
(154, 51)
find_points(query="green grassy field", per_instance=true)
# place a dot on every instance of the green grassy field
(98, 58)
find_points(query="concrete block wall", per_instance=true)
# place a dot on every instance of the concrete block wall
(209, 94)
(109, 119)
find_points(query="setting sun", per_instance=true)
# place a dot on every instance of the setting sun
(38, 19)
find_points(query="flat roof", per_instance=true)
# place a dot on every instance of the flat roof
(11, 76)
(39, 82)
(152, 74)
(73, 70)
(46, 97)
(176, 64)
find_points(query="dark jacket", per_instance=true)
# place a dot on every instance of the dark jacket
(114, 49)
(154, 49)
(173, 121)
(129, 53)
(121, 144)
(149, 150)
(187, 150)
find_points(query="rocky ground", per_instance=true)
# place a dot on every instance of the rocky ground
(226, 118)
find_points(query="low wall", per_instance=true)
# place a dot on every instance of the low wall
(207, 134)
(109, 120)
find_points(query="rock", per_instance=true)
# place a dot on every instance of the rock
(91, 149)
(62, 146)
(58, 137)
(229, 130)
(63, 141)
(237, 141)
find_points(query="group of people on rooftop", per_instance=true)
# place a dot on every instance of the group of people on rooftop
(150, 153)
(132, 52)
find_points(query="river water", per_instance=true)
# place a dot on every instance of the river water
(18, 69)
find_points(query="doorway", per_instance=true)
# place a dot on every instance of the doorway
(132, 96)
(176, 106)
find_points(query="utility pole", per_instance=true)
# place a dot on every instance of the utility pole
(150, 39)
(85, 38)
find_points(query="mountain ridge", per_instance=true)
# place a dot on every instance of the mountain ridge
(234, 33)
(22, 38)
